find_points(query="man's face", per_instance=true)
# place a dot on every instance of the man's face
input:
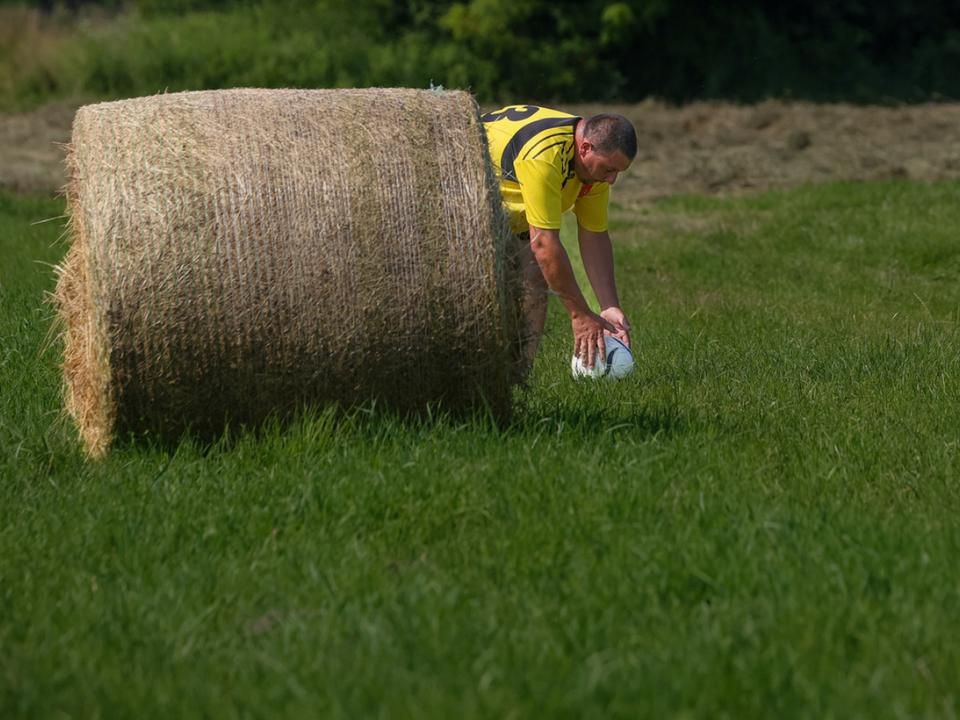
(600, 167)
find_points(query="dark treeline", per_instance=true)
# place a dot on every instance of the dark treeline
(583, 50)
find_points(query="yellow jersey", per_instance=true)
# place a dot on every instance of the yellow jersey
(532, 149)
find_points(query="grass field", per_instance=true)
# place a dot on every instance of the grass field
(761, 522)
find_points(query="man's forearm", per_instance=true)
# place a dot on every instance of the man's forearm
(597, 253)
(557, 270)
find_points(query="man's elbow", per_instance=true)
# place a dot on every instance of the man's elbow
(536, 243)
(542, 240)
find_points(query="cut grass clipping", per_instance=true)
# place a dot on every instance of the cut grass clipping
(236, 254)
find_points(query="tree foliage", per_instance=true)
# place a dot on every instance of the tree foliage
(543, 50)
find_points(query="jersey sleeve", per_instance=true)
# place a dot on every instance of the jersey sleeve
(591, 209)
(540, 184)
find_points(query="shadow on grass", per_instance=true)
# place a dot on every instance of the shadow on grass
(313, 426)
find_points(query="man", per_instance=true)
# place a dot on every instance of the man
(548, 162)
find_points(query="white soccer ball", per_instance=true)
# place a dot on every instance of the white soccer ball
(619, 362)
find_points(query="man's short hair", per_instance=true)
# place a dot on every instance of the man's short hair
(610, 132)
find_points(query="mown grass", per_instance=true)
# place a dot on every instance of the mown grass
(761, 522)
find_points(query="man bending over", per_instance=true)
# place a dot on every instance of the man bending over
(548, 162)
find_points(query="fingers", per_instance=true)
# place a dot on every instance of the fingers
(625, 332)
(621, 326)
(594, 350)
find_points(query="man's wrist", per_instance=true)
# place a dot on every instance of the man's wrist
(579, 310)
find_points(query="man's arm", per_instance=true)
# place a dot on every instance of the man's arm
(597, 253)
(555, 265)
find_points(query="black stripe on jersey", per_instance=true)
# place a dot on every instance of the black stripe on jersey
(567, 136)
(542, 150)
(523, 136)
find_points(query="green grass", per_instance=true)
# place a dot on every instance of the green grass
(101, 54)
(761, 522)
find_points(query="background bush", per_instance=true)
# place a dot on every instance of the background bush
(590, 50)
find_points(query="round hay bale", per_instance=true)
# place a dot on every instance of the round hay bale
(239, 253)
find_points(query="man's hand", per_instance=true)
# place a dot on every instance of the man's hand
(588, 332)
(615, 317)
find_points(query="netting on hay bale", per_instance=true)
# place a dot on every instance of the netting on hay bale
(238, 253)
